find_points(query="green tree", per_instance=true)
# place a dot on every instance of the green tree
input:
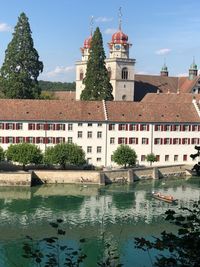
(21, 67)
(181, 248)
(24, 154)
(97, 82)
(124, 155)
(64, 154)
(151, 158)
(2, 154)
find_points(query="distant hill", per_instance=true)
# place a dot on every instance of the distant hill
(57, 86)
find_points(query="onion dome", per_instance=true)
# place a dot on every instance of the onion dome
(193, 66)
(87, 42)
(164, 68)
(119, 38)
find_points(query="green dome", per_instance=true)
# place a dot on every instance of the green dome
(193, 66)
(164, 68)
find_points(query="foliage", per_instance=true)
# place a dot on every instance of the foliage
(47, 95)
(183, 247)
(2, 154)
(21, 67)
(24, 154)
(124, 155)
(110, 257)
(97, 82)
(56, 253)
(57, 86)
(151, 158)
(63, 154)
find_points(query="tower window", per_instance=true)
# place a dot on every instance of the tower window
(109, 72)
(81, 75)
(124, 97)
(124, 74)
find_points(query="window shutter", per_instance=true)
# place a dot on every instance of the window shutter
(147, 141)
(155, 141)
(3, 126)
(37, 126)
(17, 140)
(126, 140)
(162, 127)
(156, 127)
(189, 128)
(119, 140)
(148, 127)
(183, 141)
(46, 126)
(109, 127)
(126, 127)
(188, 141)
(37, 140)
(6, 140)
(120, 127)
(141, 127)
(17, 126)
(131, 127)
(3, 140)
(161, 141)
(54, 140)
(136, 141)
(33, 140)
(29, 126)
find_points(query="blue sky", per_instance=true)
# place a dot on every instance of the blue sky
(157, 29)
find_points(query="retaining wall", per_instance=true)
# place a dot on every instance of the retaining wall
(15, 179)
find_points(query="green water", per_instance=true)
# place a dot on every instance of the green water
(117, 212)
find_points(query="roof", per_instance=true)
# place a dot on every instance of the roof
(151, 112)
(152, 83)
(170, 98)
(117, 111)
(50, 110)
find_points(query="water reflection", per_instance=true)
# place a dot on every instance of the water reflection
(119, 212)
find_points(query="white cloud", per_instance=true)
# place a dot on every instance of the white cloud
(163, 51)
(142, 72)
(103, 19)
(60, 70)
(110, 31)
(5, 27)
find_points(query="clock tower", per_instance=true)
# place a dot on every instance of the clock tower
(120, 66)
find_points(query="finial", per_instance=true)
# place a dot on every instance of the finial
(120, 18)
(91, 24)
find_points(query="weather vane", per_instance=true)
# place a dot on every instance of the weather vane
(91, 24)
(120, 18)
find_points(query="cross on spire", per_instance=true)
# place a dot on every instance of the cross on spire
(120, 18)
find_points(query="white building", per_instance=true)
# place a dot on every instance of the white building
(167, 125)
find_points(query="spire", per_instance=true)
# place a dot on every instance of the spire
(91, 25)
(193, 70)
(120, 18)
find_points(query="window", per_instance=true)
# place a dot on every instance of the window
(99, 134)
(40, 126)
(175, 157)
(98, 149)
(70, 140)
(20, 139)
(99, 125)
(176, 141)
(143, 127)
(157, 157)
(112, 140)
(89, 160)
(10, 126)
(89, 149)
(186, 128)
(111, 127)
(145, 141)
(133, 140)
(1, 139)
(195, 141)
(81, 75)
(89, 124)
(60, 140)
(109, 72)
(124, 74)
(143, 157)
(80, 124)
(62, 127)
(167, 128)
(195, 128)
(124, 97)
(1, 126)
(176, 128)
(166, 157)
(10, 140)
(89, 134)
(70, 127)
(80, 134)
(123, 140)
(185, 141)
(158, 128)
(184, 157)
(157, 141)
(167, 141)
(19, 126)
(98, 159)
(30, 140)
(50, 127)
(122, 127)
(133, 127)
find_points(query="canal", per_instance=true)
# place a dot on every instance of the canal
(113, 214)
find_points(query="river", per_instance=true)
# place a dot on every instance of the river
(114, 214)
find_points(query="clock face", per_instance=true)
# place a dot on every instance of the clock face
(117, 47)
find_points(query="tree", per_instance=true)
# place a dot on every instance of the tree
(1, 154)
(97, 82)
(64, 154)
(151, 158)
(24, 154)
(182, 248)
(124, 155)
(21, 67)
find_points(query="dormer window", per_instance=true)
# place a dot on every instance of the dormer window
(124, 74)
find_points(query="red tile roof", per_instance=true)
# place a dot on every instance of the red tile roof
(170, 98)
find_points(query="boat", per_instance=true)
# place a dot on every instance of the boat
(166, 198)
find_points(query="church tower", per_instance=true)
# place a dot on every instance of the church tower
(81, 66)
(164, 71)
(193, 70)
(120, 66)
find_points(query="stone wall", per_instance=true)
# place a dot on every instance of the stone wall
(15, 179)
(68, 177)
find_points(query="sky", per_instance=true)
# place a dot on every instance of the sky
(160, 31)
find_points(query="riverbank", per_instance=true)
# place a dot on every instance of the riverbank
(35, 177)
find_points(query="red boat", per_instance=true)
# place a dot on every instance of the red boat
(166, 198)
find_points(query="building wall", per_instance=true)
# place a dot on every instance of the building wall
(172, 145)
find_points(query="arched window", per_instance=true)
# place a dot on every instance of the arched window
(81, 75)
(109, 72)
(124, 74)
(124, 97)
